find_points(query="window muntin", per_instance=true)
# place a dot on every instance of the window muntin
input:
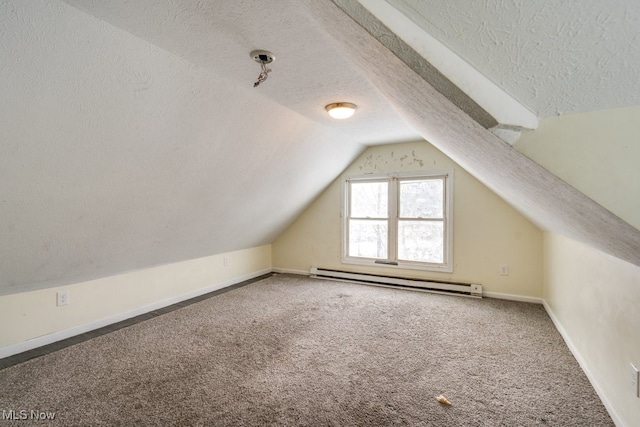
(399, 220)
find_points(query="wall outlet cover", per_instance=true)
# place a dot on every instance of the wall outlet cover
(62, 298)
(504, 269)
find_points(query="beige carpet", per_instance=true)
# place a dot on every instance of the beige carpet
(290, 350)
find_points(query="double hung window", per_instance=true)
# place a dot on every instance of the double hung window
(399, 220)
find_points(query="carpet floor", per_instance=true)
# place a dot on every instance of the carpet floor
(291, 350)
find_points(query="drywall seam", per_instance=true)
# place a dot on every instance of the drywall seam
(502, 106)
(585, 367)
(81, 329)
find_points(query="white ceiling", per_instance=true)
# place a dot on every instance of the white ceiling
(308, 72)
(131, 134)
(116, 154)
(554, 56)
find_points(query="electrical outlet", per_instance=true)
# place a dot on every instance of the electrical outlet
(635, 386)
(504, 269)
(62, 298)
(225, 261)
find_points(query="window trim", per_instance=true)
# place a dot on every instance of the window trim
(446, 266)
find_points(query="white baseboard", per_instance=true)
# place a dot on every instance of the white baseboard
(585, 368)
(512, 297)
(289, 271)
(81, 329)
(497, 295)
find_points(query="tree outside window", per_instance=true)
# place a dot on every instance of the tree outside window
(399, 220)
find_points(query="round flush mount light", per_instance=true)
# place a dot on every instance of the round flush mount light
(341, 110)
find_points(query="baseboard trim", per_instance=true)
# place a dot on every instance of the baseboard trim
(496, 295)
(585, 367)
(290, 271)
(512, 297)
(87, 327)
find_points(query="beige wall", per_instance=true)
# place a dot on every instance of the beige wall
(595, 301)
(595, 152)
(32, 315)
(595, 298)
(487, 231)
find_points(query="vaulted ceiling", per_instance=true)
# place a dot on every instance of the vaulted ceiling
(555, 57)
(132, 135)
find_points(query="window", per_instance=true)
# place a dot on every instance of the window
(399, 220)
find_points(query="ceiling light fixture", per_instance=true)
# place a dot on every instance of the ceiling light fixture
(341, 110)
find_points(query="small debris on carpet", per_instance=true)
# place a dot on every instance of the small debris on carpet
(443, 400)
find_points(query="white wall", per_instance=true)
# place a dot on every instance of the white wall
(594, 299)
(32, 319)
(116, 155)
(596, 152)
(487, 231)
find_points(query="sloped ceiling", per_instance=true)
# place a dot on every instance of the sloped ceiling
(539, 195)
(555, 57)
(131, 134)
(117, 154)
(308, 73)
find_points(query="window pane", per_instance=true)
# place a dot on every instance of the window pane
(369, 199)
(368, 238)
(422, 198)
(421, 241)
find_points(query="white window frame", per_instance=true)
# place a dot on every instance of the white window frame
(393, 178)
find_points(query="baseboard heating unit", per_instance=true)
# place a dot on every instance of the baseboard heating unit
(451, 288)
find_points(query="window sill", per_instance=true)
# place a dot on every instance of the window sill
(447, 268)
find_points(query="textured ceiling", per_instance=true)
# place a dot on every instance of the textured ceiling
(539, 195)
(308, 72)
(116, 154)
(131, 134)
(555, 57)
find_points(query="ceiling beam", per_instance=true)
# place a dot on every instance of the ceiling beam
(407, 39)
(414, 60)
(449, 74)
(539, 195)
